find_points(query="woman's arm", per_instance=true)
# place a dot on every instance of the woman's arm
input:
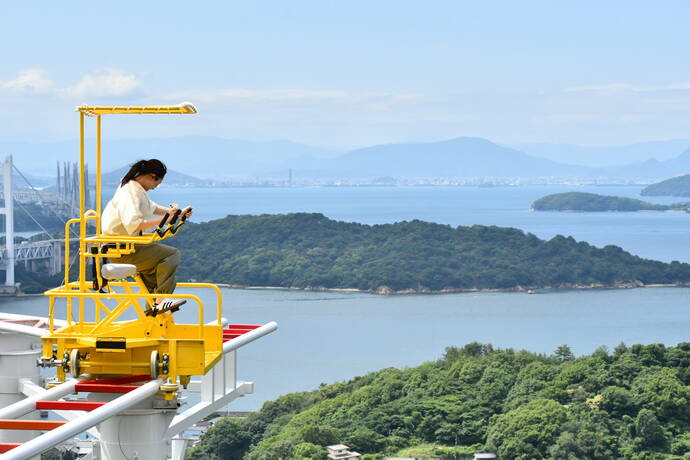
(162, 210)
(148, 223)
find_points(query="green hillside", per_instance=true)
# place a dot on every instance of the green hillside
(632, 403)
(312, 251)
(591, 202)
(676, 186)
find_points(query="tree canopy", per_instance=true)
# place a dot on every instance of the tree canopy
(312, 251)
(591, 202)
(632, 403)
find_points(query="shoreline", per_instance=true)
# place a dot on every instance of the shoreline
(385, 290)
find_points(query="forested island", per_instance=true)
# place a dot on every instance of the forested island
(310, 251)
(591, 202)
(676, 186)
(630, 403)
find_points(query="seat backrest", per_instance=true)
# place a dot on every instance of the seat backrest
(113, 272)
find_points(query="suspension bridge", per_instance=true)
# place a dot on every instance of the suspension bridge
(34, 254)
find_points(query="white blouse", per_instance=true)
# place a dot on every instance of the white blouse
(129, 207)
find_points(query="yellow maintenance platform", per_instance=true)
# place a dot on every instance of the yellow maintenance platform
(106, 345)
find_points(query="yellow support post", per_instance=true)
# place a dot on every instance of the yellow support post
(82, 220)
(98, 175)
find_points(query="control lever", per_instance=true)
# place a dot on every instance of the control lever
(176, 228)
(175, 216)
(160, 230)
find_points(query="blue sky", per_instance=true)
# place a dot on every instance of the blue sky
(353, 73)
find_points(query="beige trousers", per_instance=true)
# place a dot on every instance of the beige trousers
(156, 264)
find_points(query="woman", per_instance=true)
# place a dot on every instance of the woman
(129, 213)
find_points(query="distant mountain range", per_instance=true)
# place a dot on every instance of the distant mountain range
(202, 156)
(111, 180)
(172, 177)
(601, 156)
(675, 186)
(651, 169)
(476, 157)
(463, 157)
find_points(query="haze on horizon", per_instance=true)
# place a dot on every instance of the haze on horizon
(353, 74)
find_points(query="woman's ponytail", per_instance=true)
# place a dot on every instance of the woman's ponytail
(151, 166)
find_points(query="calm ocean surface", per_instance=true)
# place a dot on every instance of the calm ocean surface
(661, 236)
(326, 337)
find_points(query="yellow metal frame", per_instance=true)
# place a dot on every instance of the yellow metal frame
(184, 107)
(107, 345)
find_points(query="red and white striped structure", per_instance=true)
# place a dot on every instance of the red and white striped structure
(130, 417)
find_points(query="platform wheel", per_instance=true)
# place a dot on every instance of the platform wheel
(154, 364)
(74, 363)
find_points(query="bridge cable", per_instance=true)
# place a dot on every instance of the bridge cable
(32, 218)
(38, 195)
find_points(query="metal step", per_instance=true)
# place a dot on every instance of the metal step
(60, 431)
(37, 425)
(6, 446)
(233, 331)
(68, 405)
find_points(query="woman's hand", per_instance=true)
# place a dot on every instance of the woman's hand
(186, 212)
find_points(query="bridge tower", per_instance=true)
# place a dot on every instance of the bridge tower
(8, 211)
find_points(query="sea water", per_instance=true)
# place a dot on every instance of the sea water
(655, 235)
(325, 337)
(328, 336)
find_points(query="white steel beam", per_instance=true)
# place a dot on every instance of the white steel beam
(73, 428)
(21, 329)
(204, 408)
(179, 447)
(249, 337)
(27, 405)
(219, 386)
(29, 388)
(15, 317)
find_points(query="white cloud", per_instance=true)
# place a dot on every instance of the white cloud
(29, 81)
(105, 83)
(628, 88)
(617, 112)
(102, 83)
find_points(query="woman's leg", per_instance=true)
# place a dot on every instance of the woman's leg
(156, 264)
(165, 271)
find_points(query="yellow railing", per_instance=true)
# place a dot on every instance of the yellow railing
(124, 244)
(125, 299)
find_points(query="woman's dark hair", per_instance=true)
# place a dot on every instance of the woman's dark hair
(152, 166)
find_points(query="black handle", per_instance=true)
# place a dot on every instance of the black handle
(163, 220)
(177, 227)
(159, 230)
(175, 216)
